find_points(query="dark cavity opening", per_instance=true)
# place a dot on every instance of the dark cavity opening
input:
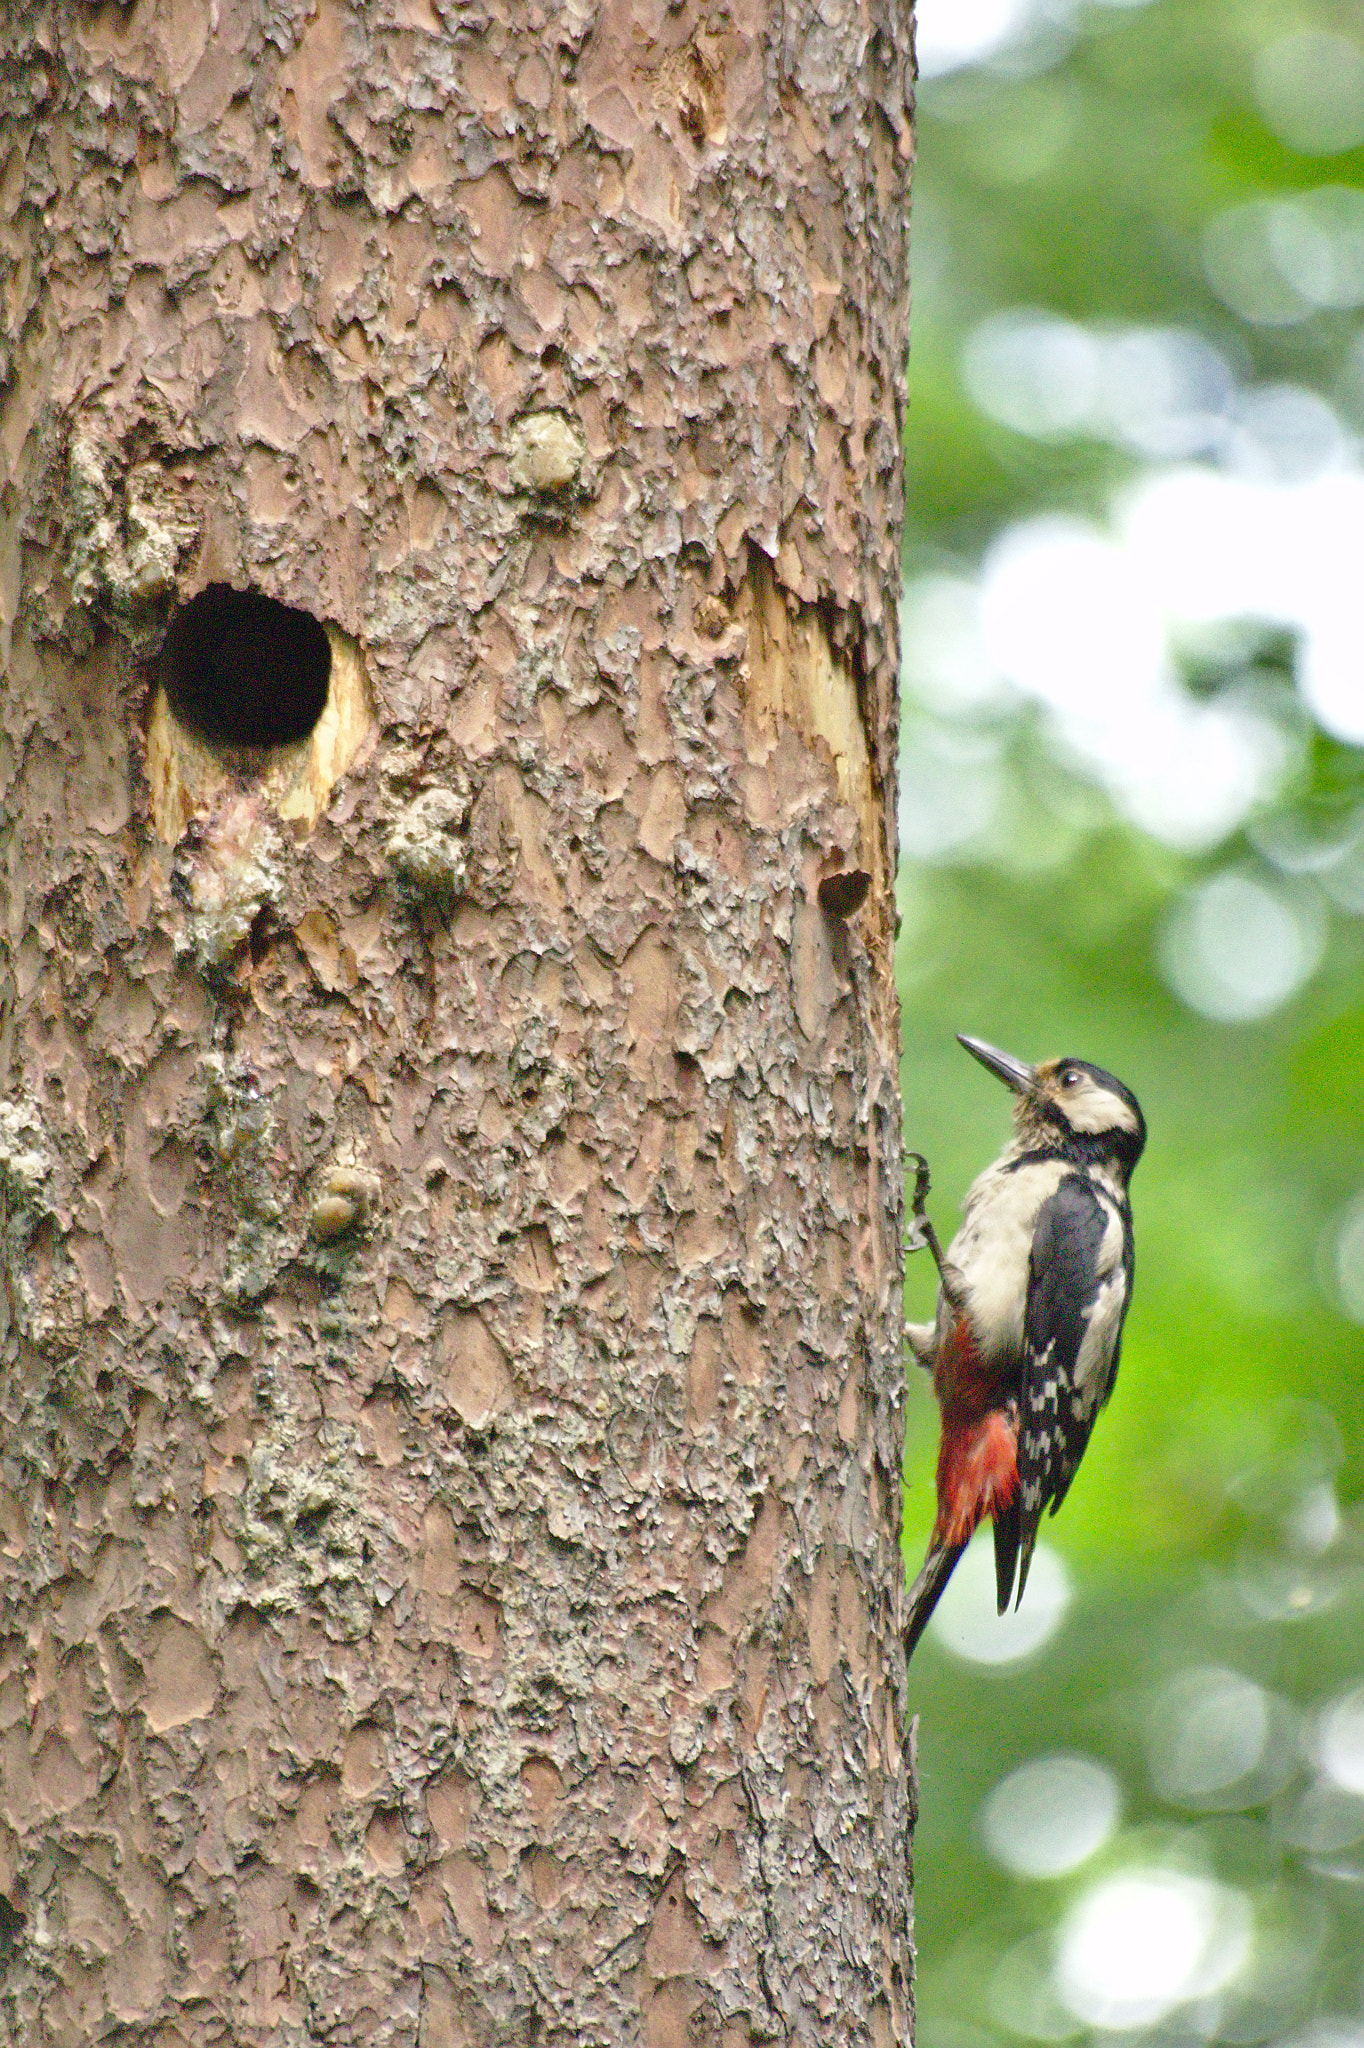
(243, 670)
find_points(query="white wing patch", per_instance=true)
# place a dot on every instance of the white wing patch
(1110, 1245)
(1103, 1320)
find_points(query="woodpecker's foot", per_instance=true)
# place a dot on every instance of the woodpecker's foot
(920, 1232)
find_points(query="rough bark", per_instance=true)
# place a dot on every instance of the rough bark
(450, 1403)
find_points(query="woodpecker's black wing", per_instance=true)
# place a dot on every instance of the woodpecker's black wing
(1079, 1281)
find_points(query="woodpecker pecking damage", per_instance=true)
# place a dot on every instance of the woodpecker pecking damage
(1034, 1290)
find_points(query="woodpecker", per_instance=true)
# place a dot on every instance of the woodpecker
(1034, 1292)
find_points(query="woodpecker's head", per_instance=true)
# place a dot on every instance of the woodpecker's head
(1069, 1106)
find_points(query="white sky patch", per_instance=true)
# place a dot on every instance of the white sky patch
(1076, 620)
(1086, 623)
(1218, 547)
(951, 33)
(1138, 1945)
(966, 1621)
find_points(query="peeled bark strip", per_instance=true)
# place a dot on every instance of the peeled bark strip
(450, 1401)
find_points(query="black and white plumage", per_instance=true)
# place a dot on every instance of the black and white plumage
(1035, 1290)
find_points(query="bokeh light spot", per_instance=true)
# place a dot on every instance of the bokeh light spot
(967, 1623)
(1278, 261)
(1138, 1945)
(1348, 1260)
(1235, 949)
(1281, 434)
(1310, 87)
(1340, 1741)
(950, 786)
(1033, 372)
(1163, 392)
(1050, 1815)
(1208, 1731)
(1023, 1993)
(1323, 1820)
(1335, 2032)
(943, 653)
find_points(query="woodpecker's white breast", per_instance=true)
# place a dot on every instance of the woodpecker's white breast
(992, 1248)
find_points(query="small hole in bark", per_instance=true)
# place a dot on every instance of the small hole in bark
(243, 670)
(688, 1075)
(11, 1924)
(843, 895)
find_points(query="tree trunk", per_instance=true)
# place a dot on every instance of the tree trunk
(450, 1404)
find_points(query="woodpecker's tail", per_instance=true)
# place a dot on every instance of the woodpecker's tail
(928, 1589)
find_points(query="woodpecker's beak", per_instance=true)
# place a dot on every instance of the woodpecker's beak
(1013, 1073)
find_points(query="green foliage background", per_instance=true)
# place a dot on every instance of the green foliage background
(1084, 189)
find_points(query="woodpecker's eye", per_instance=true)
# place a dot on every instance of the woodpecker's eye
(1071, 1078)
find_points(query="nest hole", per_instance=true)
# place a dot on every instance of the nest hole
(240, 669)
